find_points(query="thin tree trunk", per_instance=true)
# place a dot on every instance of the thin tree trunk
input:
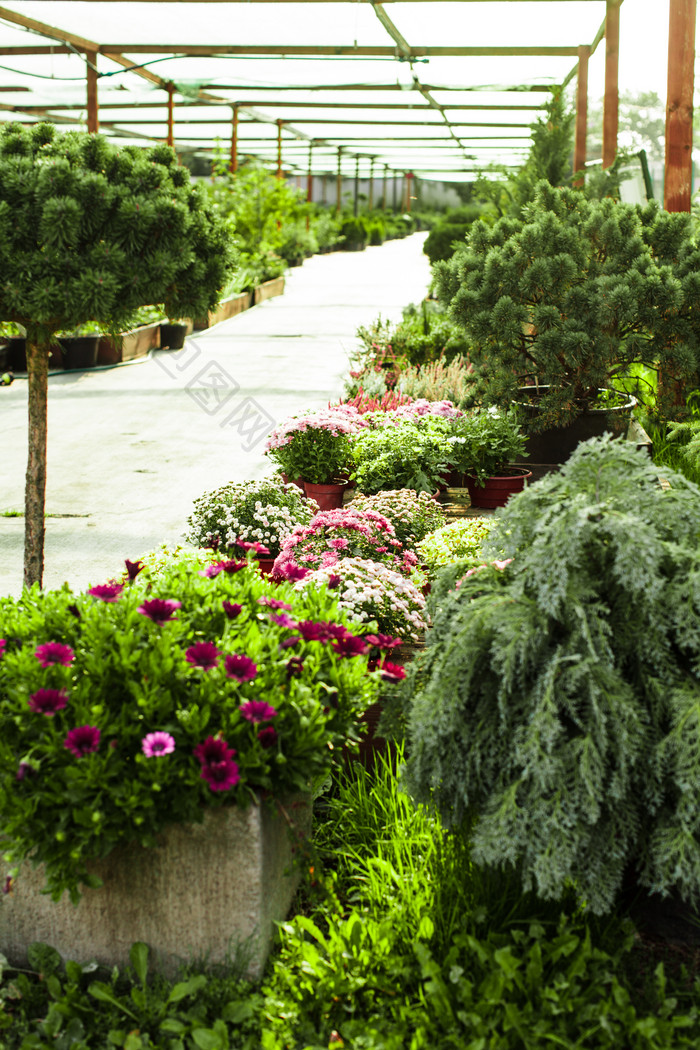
(35, 483)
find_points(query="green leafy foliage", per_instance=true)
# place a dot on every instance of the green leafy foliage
(451, 228)
(561, 696)
(484, 443)
(573, 296)
(406, 456)
(413, 514)
(456, 541)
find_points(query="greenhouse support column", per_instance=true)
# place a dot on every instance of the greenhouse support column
(386, 168)
(356, 186)
(678, 169)
(171, 115)
(279, 149)
(93, 123)
(611, 99)
(338, 183)
(233, 162)
(581, 113)
(323, 188)
(309, 185)
(409, 183)
(370, 204)
(395, 182)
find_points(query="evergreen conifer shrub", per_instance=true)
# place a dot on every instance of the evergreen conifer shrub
(557, 716)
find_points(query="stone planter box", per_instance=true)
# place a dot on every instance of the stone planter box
(268, 290)
(211, 890)
(129, 345)
(229, 307)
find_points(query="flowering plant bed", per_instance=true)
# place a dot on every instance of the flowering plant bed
(316, 446)
(375, 594)
(136, 706)
(263, 511)
(345, 533)
(412, 514)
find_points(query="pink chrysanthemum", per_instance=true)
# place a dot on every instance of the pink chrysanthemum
(51, 653)
(232, 610)
(242, 668)
(107, 592)
(48, 701)
(160, 610)
(204, 655)
(221, 776)
(212, 750)
(82, 740)
(257, 711)
(156, 744)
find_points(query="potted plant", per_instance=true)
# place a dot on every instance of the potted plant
(80, 345)
(263, 512)
(173, 332)
(553, 716)
(400, 454)
(484, 446)
(140, 725)
(412, 514)
(457, 541)
(566, 301)
(317, 449)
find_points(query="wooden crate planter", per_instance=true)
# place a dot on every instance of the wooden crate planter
(229, 307)
(213, 890)
(129, 345)
(268, 290)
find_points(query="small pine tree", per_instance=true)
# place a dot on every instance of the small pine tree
(91, 232)
(558, 708)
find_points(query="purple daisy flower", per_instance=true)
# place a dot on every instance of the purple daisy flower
(3, 647)
(243, 545)
(156, 744)
(133, 568)
(382, 641)
(48, 701)
(267, 736)
(242, 668)
(295, 667)
(257, 711)
(107, 592)
(160, 610)
(82, 740)
(274, 603)
(221, 776)
(204, 655)
(232, 609)
(313, 632)
(290, 643)
(52, 653)
(391, 672)
(334, 581)
(350, 645)
(213, 750)
(230, 566)
(24, 770)
(294, 572)
(282, 620)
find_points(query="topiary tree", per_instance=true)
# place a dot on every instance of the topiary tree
(558, 706)
(91, 232)
(573, 297)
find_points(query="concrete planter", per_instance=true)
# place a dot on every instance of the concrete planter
(210, 890)
(129, 345)
(268, 290)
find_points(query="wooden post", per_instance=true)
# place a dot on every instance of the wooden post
(396, 187)
(309, 185)
(581, 113)
(386, 168)
(371, 184)
(279, 149)
(409, 180)
(611, 99)
(171, 115)
(357, 184)
(678, 169)
(323, 188)
(233, 162)
(338, 182)
(93, 123)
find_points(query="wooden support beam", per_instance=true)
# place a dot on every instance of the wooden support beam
(678, 167)
(581, 113)
(611, 98)
(276, 88)
(93, 122)
(171, 115)
(376, 51)
(233, 161)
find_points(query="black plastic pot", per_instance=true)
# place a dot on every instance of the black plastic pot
(80, 351)
(558, 443)
(172, 335)
(5, 357)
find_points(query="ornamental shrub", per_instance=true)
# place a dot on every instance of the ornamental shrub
(412, 514)
(264, 511)
(560, 707)
(132, 707)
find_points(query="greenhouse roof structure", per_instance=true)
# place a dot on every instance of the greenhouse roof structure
(439, 88)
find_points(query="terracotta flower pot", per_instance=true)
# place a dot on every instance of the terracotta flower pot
(496, 491)
(328, 497)
(265, 565)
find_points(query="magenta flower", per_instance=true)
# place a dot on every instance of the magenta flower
(274, 603)
(230, 566)
(259, 548)
(232, 609)
(391, 672)
(334, 581)
(289, 643)
(48, 701)
(242, 668)
(267, 736)
(107, 592)
(293, 572)
(82, 740)
(221, 776)
(156, 744)
(283, 620)
(313, 632)
(382, 641)
(257, 711)
(295, 667)
(133, 568)
(213, 750)
(51, 653)
(3, 647)
(204, 655)
(350, 645)
(24, 769)
(160, 610)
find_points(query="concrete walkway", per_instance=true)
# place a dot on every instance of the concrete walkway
(131, 447)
